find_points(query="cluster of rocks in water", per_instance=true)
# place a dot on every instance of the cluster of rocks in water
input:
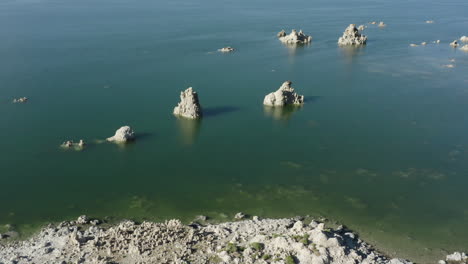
(226, 49)
(20, 100)
(71, 144)
(261, 241)
(352, 37)
(294, 37)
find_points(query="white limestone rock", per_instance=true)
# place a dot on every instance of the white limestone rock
(454, 43)
(351, 36)
(294, 37)
(122, 135)
(464, 39)
(285, 95)
(189, 105)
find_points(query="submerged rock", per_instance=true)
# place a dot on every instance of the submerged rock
(123, 134)
(285, 95)
(226, 49)
(423, 43)
(70, 144)
(454, 43)
(189, 105)
(464, 39)
(413, 45)
(294, 37)
(20, 100)
(429, 21)
(351, 36)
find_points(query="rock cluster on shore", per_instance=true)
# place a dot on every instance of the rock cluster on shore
(259, 241)
(294, 37)
(351, 36)
(122, 135)
(189, 105)
(285, 95)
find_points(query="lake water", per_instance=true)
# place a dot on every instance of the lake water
(381, 144)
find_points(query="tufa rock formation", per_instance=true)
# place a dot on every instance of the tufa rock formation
(294, 37)
(464, 39)
(351, 36)
(226, 49)
(189, 106)
(285, 95)
(20, 100)
(122, 135)
(454, 43)
(464, 48)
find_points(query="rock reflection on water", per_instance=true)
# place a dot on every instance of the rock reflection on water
(281, 113)
(188, 130)
(351, 52)
(294, 48)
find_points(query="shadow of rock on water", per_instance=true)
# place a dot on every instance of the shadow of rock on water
(219, 110)
(311, 99)
(188, 129)
(143, 136)
(283, 113)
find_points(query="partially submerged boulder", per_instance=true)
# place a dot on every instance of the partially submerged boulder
(189, 105)
(464, 39)
(361, 27)
(285, 95)
(464, 48)
(454, 43)
(382, 24)
(20, 100)
(70, 144)
(294, 37)
(226, 49)
(122, 135)
(351, 36)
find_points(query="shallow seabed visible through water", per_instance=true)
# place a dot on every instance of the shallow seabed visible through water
(380, 145)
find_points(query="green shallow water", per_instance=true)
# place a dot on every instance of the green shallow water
(380, 145)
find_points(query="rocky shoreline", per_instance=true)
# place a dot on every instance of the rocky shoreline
(288, 240)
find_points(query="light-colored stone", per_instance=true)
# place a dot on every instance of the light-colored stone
(294, 37)
(189, 105)
(464, 48)
(285, 95)
(382, 24)
(429, 21)
(361, 27)
(239, 216)
(413, 45)
(351, 36)
(226, 49)
(454, 43)
(464, 39)
(123, 134)
(20, 100)
(423, 43)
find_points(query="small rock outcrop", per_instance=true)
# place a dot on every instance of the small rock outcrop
(429, 21)
(294, 37)
(122, 135)
(20, 100)
(285, 95)
(239, 216)
(361, 27)
(70, 144)
(351, 36)
(189, 105)
(382, 24)
(464, 48)
(464, 39)
(454, 43)
(226, 49)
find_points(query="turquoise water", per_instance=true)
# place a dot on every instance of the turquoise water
(380, 145)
